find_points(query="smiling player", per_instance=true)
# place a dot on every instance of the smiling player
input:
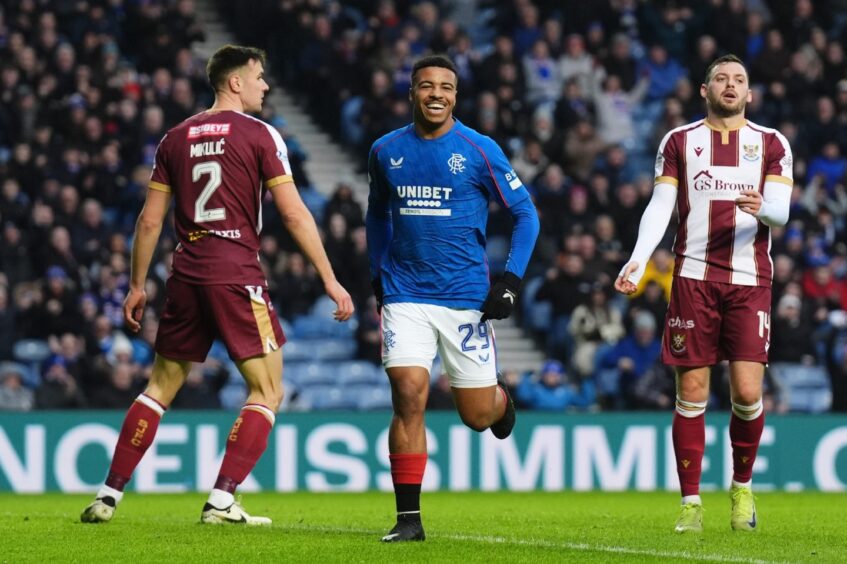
(430, 184)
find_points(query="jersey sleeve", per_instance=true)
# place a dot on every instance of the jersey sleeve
(667, 160)
(779, 163)
(273, 158)
(498, 176)
(378, 217)
(160, 178)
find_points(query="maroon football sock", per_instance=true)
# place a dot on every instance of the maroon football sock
(137, 434)
(689, 442)
(247, 440)
(744, 436)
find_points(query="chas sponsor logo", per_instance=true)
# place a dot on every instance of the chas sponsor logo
(679, 323)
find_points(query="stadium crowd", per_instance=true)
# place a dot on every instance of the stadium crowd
(578, 98)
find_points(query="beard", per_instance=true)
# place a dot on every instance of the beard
(722, 109)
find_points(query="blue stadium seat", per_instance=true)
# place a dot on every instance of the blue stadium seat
(375, 398)
(538, 316)
(311, 374)
(334, 349)
(31, 350)
(804, 388)
(326, 397)
(355, 372)
(323, 307)
(312, 327)
(232, 396)
(297, 350)
(287, 328)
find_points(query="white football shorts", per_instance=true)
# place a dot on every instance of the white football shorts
(413, 333)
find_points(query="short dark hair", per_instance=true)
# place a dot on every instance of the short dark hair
(442, 61)
(729, 58)
(227, 59)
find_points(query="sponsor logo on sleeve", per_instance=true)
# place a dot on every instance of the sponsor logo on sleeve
(513, 180)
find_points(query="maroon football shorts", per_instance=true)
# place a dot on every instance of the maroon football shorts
(241, 316)
(711, 321)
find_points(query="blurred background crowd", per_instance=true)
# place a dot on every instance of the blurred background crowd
(578, 94)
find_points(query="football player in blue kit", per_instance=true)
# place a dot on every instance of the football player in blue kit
(430, 185)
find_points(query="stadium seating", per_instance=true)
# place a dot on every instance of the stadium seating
(803, 388)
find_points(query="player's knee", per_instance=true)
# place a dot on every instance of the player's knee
(476, 420)
(747, 394)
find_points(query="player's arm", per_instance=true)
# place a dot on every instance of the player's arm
(148, 227)
(505, 186)
(652, 228)
(656, 217)
(771, 207)
(378, 227)
(300, 223)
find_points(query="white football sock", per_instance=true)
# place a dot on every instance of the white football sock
(106, 491)
(220, 499)
(695, 499)
(748, 484)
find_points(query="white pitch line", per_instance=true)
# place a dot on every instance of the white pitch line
(540, 543)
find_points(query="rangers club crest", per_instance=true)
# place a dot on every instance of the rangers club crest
(456, 162)
(388, 339)
(678, 343)
(751, 152)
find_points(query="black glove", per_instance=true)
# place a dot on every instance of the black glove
(501, 297)
(376, 284)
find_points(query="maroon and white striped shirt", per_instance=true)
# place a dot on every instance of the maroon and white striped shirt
(715, 240)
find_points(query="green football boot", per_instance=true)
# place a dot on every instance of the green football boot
(743, 509)
(690, 519)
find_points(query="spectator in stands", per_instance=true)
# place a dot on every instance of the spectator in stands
(593, 324)
(634, 355)
(13, 395)
(655, 389)
(552, 390)
(7, 321)
(615, 106)
(120, 390)
(791, 333)
(58, 389)
(202, 386)
(300, 286)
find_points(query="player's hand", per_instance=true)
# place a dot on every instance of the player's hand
(623, 284)
(341, 298)
(134, 308)
(501, 297)
(750, 201)
(376, 284)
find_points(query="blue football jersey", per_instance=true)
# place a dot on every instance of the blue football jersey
(436, 192)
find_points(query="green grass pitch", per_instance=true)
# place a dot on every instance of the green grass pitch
(461, 527)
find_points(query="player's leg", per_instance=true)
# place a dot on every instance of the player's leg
(251, 332)
(137, 434)
(745, 431)
(467, 349)
(409, 345)
(689, 443)
(690, 344)
(745, 339)
(184, 336)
